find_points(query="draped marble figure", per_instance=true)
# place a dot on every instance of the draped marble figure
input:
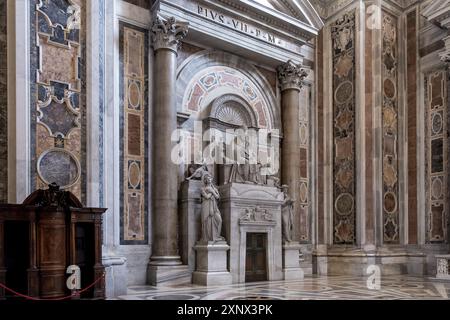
(211, 218)
(287, 216)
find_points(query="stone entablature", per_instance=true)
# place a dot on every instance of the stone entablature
(229, 23)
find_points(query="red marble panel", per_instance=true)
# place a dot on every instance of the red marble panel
(194, 98)
(134, 134)
(303, 163)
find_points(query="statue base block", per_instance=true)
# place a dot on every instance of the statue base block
(291, 261)
(211, 268)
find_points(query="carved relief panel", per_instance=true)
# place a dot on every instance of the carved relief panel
(59, 107)
(343, 41)
(437, 157)
(390, 130)
(134, 108)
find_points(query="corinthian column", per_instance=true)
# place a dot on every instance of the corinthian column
(291, 78)
(167, 34)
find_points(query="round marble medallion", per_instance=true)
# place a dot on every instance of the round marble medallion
(389, 89)
(344, 92)
(436, 123)
(134, 174)
(344, 204)
(303, 192)
(436, 188)
(390, 202)
(134, 95)
(59, 166)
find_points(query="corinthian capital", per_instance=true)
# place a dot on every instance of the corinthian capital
(167, 33)
(291, 75)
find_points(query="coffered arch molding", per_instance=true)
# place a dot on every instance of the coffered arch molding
(199, 61)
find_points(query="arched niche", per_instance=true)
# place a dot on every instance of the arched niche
(209, 75)
(230, 111)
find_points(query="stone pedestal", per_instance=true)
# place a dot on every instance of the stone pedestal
(291, 261)
(190, 216)
(211, 267)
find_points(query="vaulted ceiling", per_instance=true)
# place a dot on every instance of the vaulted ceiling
(302, 10)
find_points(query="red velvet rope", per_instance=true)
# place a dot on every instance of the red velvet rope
(76, 293)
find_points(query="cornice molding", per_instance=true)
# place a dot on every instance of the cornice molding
(268, 19)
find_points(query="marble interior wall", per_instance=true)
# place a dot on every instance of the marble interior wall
(3, 105)
(436, 157)
(344, 180)
(134, 145)
(391, 228)
(58, 89)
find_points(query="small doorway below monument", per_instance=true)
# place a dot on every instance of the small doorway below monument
(256, 257)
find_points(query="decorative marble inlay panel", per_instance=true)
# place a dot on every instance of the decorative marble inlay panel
(343, 41)
(59, 140)
(3, 105)
(303, 213)
(133, 114)
(203, 86)
(437, 157)
(390, 129)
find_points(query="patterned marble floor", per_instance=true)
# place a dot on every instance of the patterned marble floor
(310, 288)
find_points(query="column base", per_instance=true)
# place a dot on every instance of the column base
(165, 261)
(168, 275)
(211, 268)
(291, 261)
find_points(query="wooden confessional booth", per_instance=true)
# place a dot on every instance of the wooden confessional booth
(40, 238)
